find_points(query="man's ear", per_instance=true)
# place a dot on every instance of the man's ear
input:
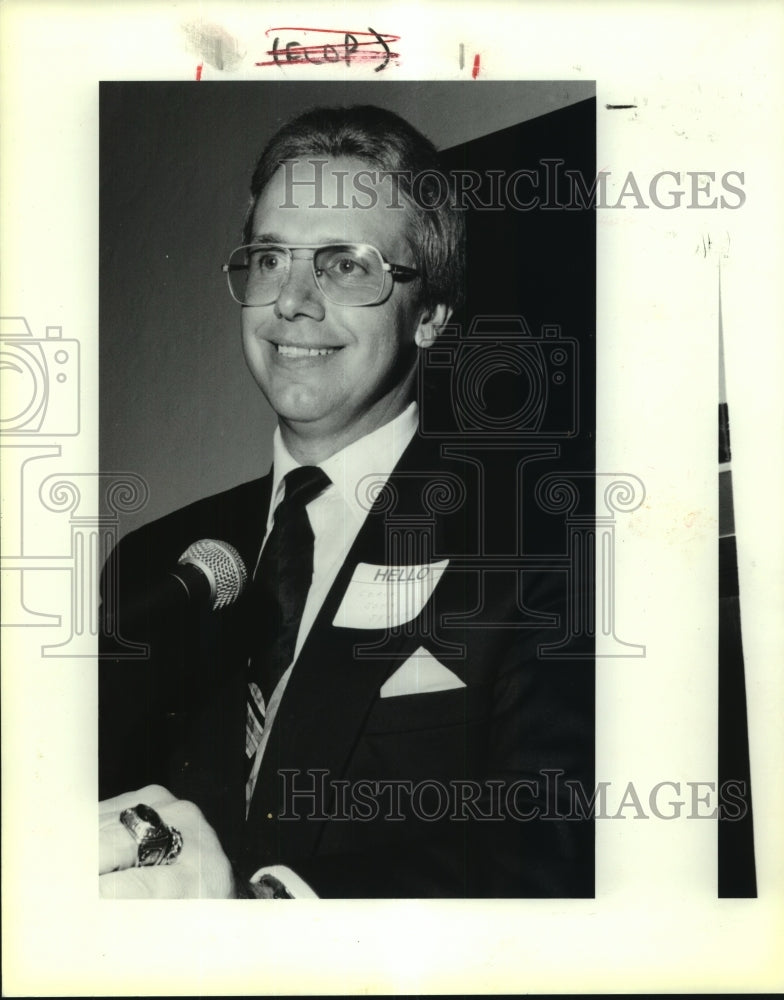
(430, 324)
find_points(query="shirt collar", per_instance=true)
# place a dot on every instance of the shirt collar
(376, 454)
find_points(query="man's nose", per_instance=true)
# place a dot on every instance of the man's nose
(299, 294)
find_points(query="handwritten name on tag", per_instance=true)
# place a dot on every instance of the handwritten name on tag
(386, 596)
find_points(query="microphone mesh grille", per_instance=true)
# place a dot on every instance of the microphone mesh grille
(223, 566)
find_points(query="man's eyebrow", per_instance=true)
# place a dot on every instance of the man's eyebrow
(278, 239)
(267, 238)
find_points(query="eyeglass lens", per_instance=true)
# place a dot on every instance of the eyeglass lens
(347, 274)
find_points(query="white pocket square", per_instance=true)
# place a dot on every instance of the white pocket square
(386, 596)
(420, 674)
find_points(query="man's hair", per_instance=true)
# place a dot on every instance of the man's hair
(385, 141)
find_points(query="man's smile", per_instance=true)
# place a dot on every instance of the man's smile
(293, 351)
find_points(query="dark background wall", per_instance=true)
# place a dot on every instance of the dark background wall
(177, 405)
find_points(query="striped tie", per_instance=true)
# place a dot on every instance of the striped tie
(281, 586)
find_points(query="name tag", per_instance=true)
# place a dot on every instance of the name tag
(386, 596)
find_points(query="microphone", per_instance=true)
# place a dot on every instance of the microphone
(212, 573)
(209, 575)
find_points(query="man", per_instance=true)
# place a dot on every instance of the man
(390, 724)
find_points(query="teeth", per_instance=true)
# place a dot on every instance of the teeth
(289, 351)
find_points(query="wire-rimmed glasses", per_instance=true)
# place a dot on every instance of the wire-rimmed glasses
(348, 274)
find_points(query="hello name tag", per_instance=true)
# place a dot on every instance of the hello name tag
(385, 596)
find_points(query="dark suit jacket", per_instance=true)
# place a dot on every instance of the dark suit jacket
(459, 792)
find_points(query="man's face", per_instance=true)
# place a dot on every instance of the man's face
(363, 375)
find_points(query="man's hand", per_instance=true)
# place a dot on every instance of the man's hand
(201, 871)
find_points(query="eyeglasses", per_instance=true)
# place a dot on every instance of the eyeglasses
(348, 274)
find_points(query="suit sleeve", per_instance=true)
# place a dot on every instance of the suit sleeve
(143, 665)
(171, 695)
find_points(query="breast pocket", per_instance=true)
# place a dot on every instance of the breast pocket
(440, 735)
(429, 710)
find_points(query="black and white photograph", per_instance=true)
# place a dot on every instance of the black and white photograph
(395, 694)
(365, 542)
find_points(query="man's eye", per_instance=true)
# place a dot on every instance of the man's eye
(269, 261)
(347, 267)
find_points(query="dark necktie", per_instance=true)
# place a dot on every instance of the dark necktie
(281, 586)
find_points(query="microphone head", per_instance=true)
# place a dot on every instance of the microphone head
(223, 567)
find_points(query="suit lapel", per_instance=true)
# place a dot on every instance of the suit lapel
(248, 516)
(239, 517)
(333, 686)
